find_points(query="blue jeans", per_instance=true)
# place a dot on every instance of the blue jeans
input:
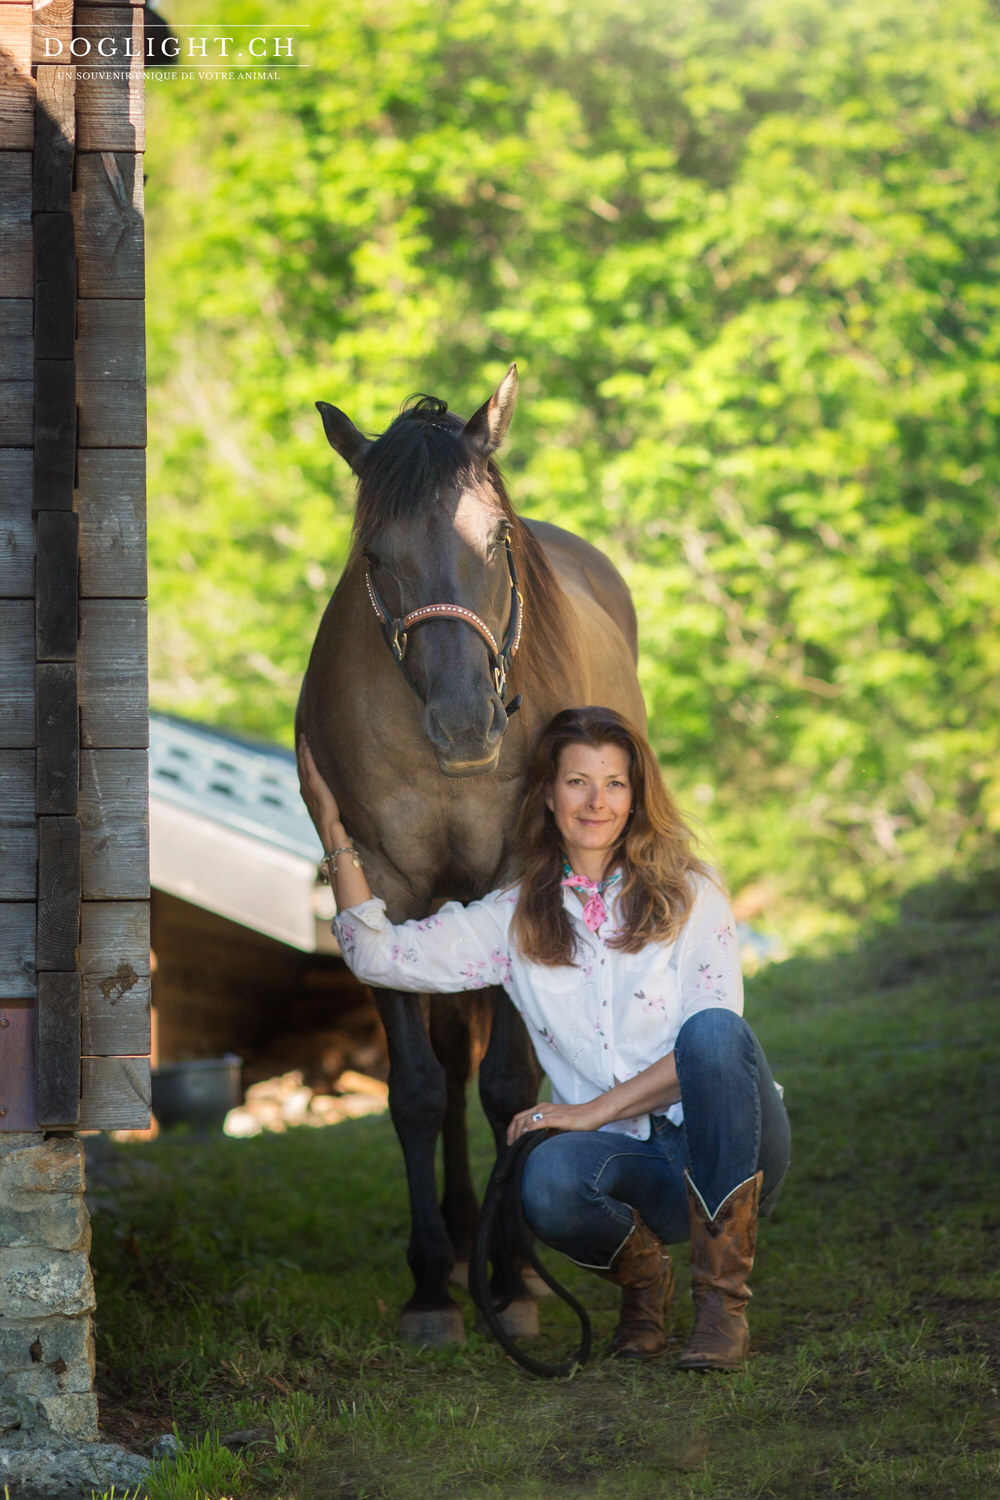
(580, 1187)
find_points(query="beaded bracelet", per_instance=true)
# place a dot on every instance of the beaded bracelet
(329, 861)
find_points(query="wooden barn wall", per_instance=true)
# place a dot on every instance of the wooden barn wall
(74, 885)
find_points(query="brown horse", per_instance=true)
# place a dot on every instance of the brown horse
(446, 595)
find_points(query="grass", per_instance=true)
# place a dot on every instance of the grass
(253, 1285)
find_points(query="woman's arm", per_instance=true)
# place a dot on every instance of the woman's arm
(654, 1088)
(350, 886)
(458, 948)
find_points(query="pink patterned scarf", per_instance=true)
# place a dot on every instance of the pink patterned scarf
(594, 910)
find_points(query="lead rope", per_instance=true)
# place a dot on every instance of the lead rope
(503, 1194)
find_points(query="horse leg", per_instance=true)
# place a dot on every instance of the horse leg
(509, 1077)
(417, 1107)
(451, 1038)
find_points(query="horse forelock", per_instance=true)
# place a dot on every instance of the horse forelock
(418, 458)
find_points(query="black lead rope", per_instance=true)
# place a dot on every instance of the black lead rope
(503, 1197)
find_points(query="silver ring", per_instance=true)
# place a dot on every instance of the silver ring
(536, 1117)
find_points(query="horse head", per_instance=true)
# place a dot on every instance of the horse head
(432, 543)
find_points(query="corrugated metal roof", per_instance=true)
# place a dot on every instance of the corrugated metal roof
(249, 787)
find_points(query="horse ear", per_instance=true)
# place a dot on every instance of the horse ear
(487, 429)
(342, 435)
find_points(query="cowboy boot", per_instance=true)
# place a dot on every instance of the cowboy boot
(643, 1271)
(722, 1251)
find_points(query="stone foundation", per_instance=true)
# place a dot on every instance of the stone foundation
(46, 1289)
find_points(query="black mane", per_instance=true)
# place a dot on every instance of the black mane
(417, 458)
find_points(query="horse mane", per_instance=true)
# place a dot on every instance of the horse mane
(418, 456)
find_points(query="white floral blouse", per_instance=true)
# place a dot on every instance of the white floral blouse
(594, 1023)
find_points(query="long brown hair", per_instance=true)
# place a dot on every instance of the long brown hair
(655, 852)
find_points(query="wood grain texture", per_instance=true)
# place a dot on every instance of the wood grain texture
(58, 934)
(55, 434)
(58, 738)
(115, 825)
(16, 343)
(17, 950)
(114, 706)
(108, 206)
(17, 275)
(17, 90)
(53, 33)
(111, 356)
(18, 828)
(110, 112)
(114, 1093)
(56, 585)
(17, 673)
(111, 500)
(17, 533)
(114, 965)
(55, 132)
(55, 286)
(111, 340)
(57, 1049)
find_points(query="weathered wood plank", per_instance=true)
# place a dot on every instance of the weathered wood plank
(111, 355)
(53, 33)
(17, 1066)
(108, 204)
(55, 286)
(58, 932)
(16, 344)
(55, 434)
(17, 369)
(111, 343)
(17, 276)
(115, 1093)
(58, 738)
(111, 500)
(109, 91)
(17, 536)
(114, 822)
(56, 585)
(57, 1049)
(55, 128)
(113, 414)
(17, 673)
(17, 950)
(114, 964)
(114, 707)
(17, 412)
(18, 828)
(17, 90)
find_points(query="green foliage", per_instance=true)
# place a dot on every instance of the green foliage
(746, 257)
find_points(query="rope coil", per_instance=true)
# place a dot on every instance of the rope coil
(503, 1196)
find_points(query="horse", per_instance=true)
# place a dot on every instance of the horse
(454, 634)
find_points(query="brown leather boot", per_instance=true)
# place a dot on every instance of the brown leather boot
(643, 1271)
(722, 1251)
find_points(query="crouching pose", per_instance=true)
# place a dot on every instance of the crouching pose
(618, 947)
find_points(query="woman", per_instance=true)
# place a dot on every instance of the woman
(618, 947)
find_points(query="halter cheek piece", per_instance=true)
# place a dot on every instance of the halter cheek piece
(395, 632)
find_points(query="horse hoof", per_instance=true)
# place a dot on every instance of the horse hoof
(519, 1319)
(460, 1274)
(434, 1328)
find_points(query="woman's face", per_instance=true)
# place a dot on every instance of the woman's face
(591, 799)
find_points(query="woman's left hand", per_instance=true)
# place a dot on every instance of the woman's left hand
(589, 1116)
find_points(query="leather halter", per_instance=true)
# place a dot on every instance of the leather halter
(395, 632)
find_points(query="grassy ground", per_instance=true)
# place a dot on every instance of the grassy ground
(254, 1284)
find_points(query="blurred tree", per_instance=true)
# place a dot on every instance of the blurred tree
(746, 256)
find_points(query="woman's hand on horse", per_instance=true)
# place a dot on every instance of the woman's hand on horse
(319, 799)
(589, 1116)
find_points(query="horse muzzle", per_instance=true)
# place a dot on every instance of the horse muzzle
(460, 768)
